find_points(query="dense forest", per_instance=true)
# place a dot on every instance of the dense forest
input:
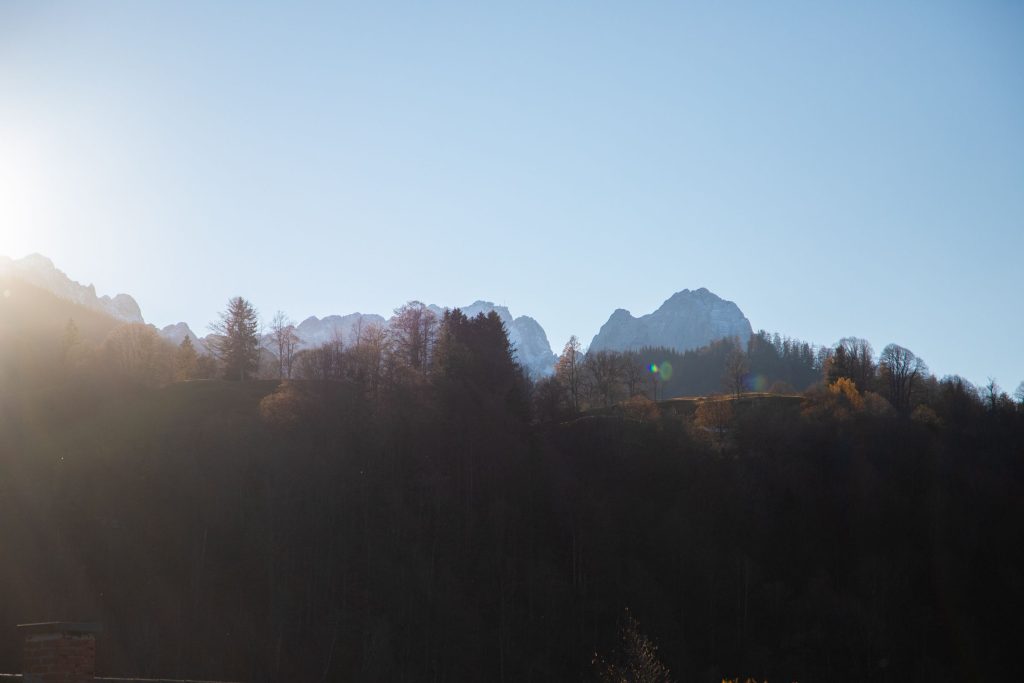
(405, 505)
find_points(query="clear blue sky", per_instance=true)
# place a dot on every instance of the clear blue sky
(850, 170)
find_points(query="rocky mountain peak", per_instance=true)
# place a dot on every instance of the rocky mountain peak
(40, 271)
(686, 320)
(177, 332)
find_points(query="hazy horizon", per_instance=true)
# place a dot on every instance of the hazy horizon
(850, 172)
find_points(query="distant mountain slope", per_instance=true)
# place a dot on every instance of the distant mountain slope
(687, 320)
(177, 332)
(34, 332)
(40, 271)
(315, 331)
(34, 314)
(526, 335)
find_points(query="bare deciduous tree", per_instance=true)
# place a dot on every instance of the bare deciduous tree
(902, 371)
(634, 375)
(852, 358)
(736, 369)
(991, 393)
(285, 341)
(137, 351)
(568, 370)
(413, 330)
(603, 376)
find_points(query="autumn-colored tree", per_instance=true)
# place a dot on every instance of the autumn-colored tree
(839, 400)
(876, 405)
(852, 358)
(136, 351)
(636, 662)
(715, 417)
(186, 360)
(845, 390)
(641, 409)
(366, 358)
(568, 370)
(284, 408)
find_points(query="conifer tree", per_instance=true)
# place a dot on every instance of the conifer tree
(186, 360)
(236, 340)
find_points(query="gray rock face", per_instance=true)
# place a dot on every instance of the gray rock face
(532, 346)
(687, 320)
(123, 307)
(40, 271)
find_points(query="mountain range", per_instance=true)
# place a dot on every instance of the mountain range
(686, 320)
(39, 271)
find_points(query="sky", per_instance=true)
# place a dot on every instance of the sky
(850, 169)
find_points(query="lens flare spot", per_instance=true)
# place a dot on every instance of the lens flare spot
(756, 382)
(665, 371)
(653, 367)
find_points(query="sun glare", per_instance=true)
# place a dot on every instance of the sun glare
(19, 194)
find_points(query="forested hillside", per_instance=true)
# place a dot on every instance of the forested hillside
(410, 507)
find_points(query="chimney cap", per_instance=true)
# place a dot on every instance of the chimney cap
(62, 627)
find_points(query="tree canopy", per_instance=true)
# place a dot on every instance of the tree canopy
(236, 339)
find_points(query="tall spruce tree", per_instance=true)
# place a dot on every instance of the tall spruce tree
(236, 340)
(186, 360)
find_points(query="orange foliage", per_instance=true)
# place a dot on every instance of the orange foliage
(641, 408)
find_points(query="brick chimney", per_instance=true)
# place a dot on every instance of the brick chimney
(59, 652)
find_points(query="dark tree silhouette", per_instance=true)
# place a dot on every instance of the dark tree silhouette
(637, 659)
(737, 367)
(235, 341)
(186, 360)
(902, 373)
(285, 341)
(413, 330)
